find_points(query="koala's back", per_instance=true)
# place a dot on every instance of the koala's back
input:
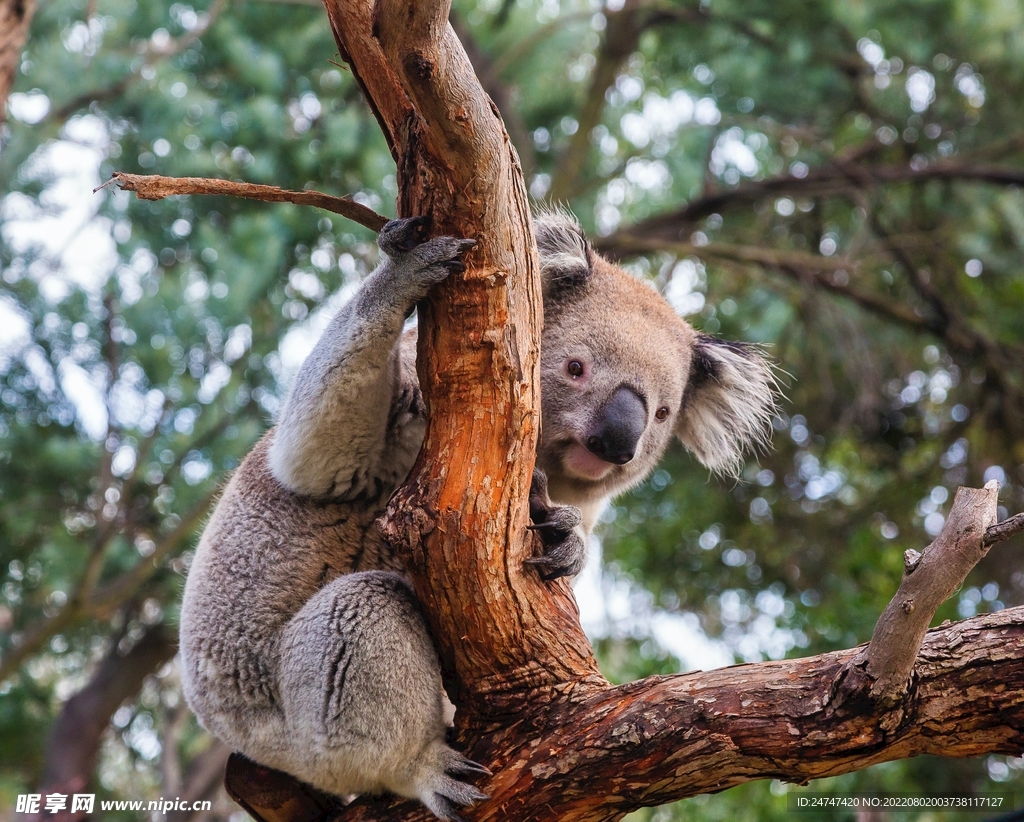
(265, 552)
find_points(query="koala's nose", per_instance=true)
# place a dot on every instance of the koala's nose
(617, 429)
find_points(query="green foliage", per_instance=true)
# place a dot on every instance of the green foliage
(144, 346)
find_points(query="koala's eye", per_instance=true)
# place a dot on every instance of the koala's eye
(575, 368)
(661, 414)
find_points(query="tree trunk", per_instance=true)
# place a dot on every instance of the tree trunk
(461, 517)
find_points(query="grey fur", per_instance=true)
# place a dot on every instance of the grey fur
(302, 645)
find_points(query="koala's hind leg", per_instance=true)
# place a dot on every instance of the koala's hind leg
(362, 699)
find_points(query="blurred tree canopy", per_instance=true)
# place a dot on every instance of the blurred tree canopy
(839, 182)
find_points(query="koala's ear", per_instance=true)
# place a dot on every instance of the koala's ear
(728, 403)
(565, 254)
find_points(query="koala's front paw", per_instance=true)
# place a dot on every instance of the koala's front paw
(561, 532)
(421, 262)
(399, 237)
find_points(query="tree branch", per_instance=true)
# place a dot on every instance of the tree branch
(75, 738)
(664, 739)
(621, 36)
(155, 187)
(799, 266)
(1004, 530)
(624, 244)
(601, 753)
(824, 180)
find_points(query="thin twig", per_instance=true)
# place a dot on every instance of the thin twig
(1002, 531)
(156, 187)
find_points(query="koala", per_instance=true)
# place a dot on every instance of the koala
(621, 374)
(302, 644)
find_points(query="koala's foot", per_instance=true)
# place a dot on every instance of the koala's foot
(440, 790)
(417, 262)
(561, 532)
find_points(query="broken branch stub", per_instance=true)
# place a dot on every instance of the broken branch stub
(929, 580)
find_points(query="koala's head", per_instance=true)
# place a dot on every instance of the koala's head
(621, 373)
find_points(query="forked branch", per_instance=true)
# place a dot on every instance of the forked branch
(668, 738)
(885, 666)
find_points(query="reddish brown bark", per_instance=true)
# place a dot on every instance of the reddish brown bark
(596, 753)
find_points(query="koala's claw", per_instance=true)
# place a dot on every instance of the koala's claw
(558, 518)
(445, 793)
(565, 549)
(561, 563)
(464, 766)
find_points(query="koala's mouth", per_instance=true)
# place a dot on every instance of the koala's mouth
(584, 464)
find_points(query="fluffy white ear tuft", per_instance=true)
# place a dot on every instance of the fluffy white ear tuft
(728, 405)
(563, 249)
